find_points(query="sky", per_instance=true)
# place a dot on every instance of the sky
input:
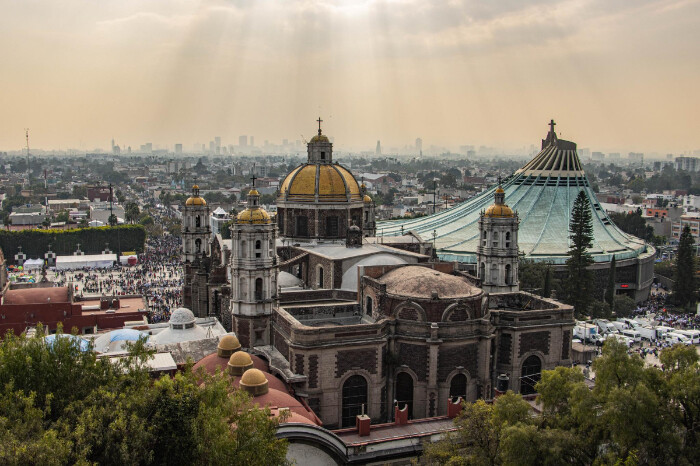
(614, 74)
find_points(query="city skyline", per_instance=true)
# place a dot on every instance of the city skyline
(616, 76)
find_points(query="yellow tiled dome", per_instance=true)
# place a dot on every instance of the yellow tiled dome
(499, 210)
(331, 182)
(367, 199)
(258, 215)
(196, 201)
(320, 138)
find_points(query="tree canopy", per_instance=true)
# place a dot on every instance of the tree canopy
(633, 415)
(60, 405)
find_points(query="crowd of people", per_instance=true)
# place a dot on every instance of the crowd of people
(157, 276)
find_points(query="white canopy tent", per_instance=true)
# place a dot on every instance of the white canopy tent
(33, 264)
(79, 262)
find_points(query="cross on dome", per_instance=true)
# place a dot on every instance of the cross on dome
(319, 125)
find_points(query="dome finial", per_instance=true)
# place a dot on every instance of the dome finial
(319, 125)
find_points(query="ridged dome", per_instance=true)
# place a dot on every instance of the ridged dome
(497, 210)
(258, 215)
(319, 138)
(330, 182)
(196, 201)
(367, 199)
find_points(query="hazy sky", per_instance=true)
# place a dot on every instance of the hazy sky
(614, 74)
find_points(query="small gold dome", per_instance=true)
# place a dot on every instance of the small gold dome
(253, 192)
(258, 215)
(227, 346)
(499, 210)
(196, 201)
(499, 190)
(367, 199)
(239, 363)
(254, 382)
(319, 138)
(196, 186)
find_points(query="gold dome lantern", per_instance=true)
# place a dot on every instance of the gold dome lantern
(499, 209)
(195, 199)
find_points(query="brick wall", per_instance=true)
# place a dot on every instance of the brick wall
(534, 341)
(313, 371)
(243, 332)
(451, 357)
(298, 363)
(360, 358)
(415, 357)
(505, 348)
(565, 344)
(281, 345)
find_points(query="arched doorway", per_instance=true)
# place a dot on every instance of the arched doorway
(530, 375)
(404, 392)
(458, 387)
(354, 397)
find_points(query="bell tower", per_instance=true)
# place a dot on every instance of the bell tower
(196, 232)
(497, 253)
(253, 273)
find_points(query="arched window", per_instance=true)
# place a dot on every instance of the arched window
(495, 239)
(508, 239)
(258, 289)
(482, 271)
(484, 238)
(197, 221)
(530, 375)
(509, 275)
(244, 248)
(494, 274)
(198, 245)
(258, 245)
(320, 277)
(368, 306)
(458, 387)
(354, 397)
(404, 392)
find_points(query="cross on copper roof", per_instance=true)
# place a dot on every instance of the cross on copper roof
(319, 125)
(551, 125)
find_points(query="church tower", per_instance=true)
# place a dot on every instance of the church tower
(253, 273)
(497, 253)
(195, 227)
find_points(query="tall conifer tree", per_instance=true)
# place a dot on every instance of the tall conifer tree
(610, 290)
(685, 287)
(579, 283)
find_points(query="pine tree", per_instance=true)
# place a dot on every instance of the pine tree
(610, 290)
(684, 289)
(579, 283)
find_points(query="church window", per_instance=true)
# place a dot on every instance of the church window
(332, 226)
(320, 277)
(482, 271)
(244, 247)
(494, 274)
(258, 289)
(368, 306)
(198, 245)
(243, 286)
(404, 392)
(302, 226)
(530, 375)
(508, 239)
(323, 155)
(484, 239)
(495, 239)
(258, 246)
(198, 221)
(354, 399)
(508, 275)
(458, 387)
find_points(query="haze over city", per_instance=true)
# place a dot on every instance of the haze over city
(616, 75)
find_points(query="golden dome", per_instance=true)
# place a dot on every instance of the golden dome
(227, 346)
(499, 210)
(258, 215)
(367, 199)
(319, 138)
(253, 192)
(195, 186)
(254, 382)
(499, 190)
(331, 182)
(196, 200)
(239, 363)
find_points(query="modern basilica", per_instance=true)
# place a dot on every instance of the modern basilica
(356, 325)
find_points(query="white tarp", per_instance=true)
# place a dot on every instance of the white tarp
(33, 264)
(79, 262)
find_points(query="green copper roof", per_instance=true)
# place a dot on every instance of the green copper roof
(542, 194)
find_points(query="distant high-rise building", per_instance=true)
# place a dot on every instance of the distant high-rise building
(690, 164)
(178, 148)
(614, 156)
(217, 140)
(378, 150)
(598, 156)
(419, 144)
(242, 141)
(252, 141)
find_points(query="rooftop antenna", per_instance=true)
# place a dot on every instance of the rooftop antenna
(26, 135)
